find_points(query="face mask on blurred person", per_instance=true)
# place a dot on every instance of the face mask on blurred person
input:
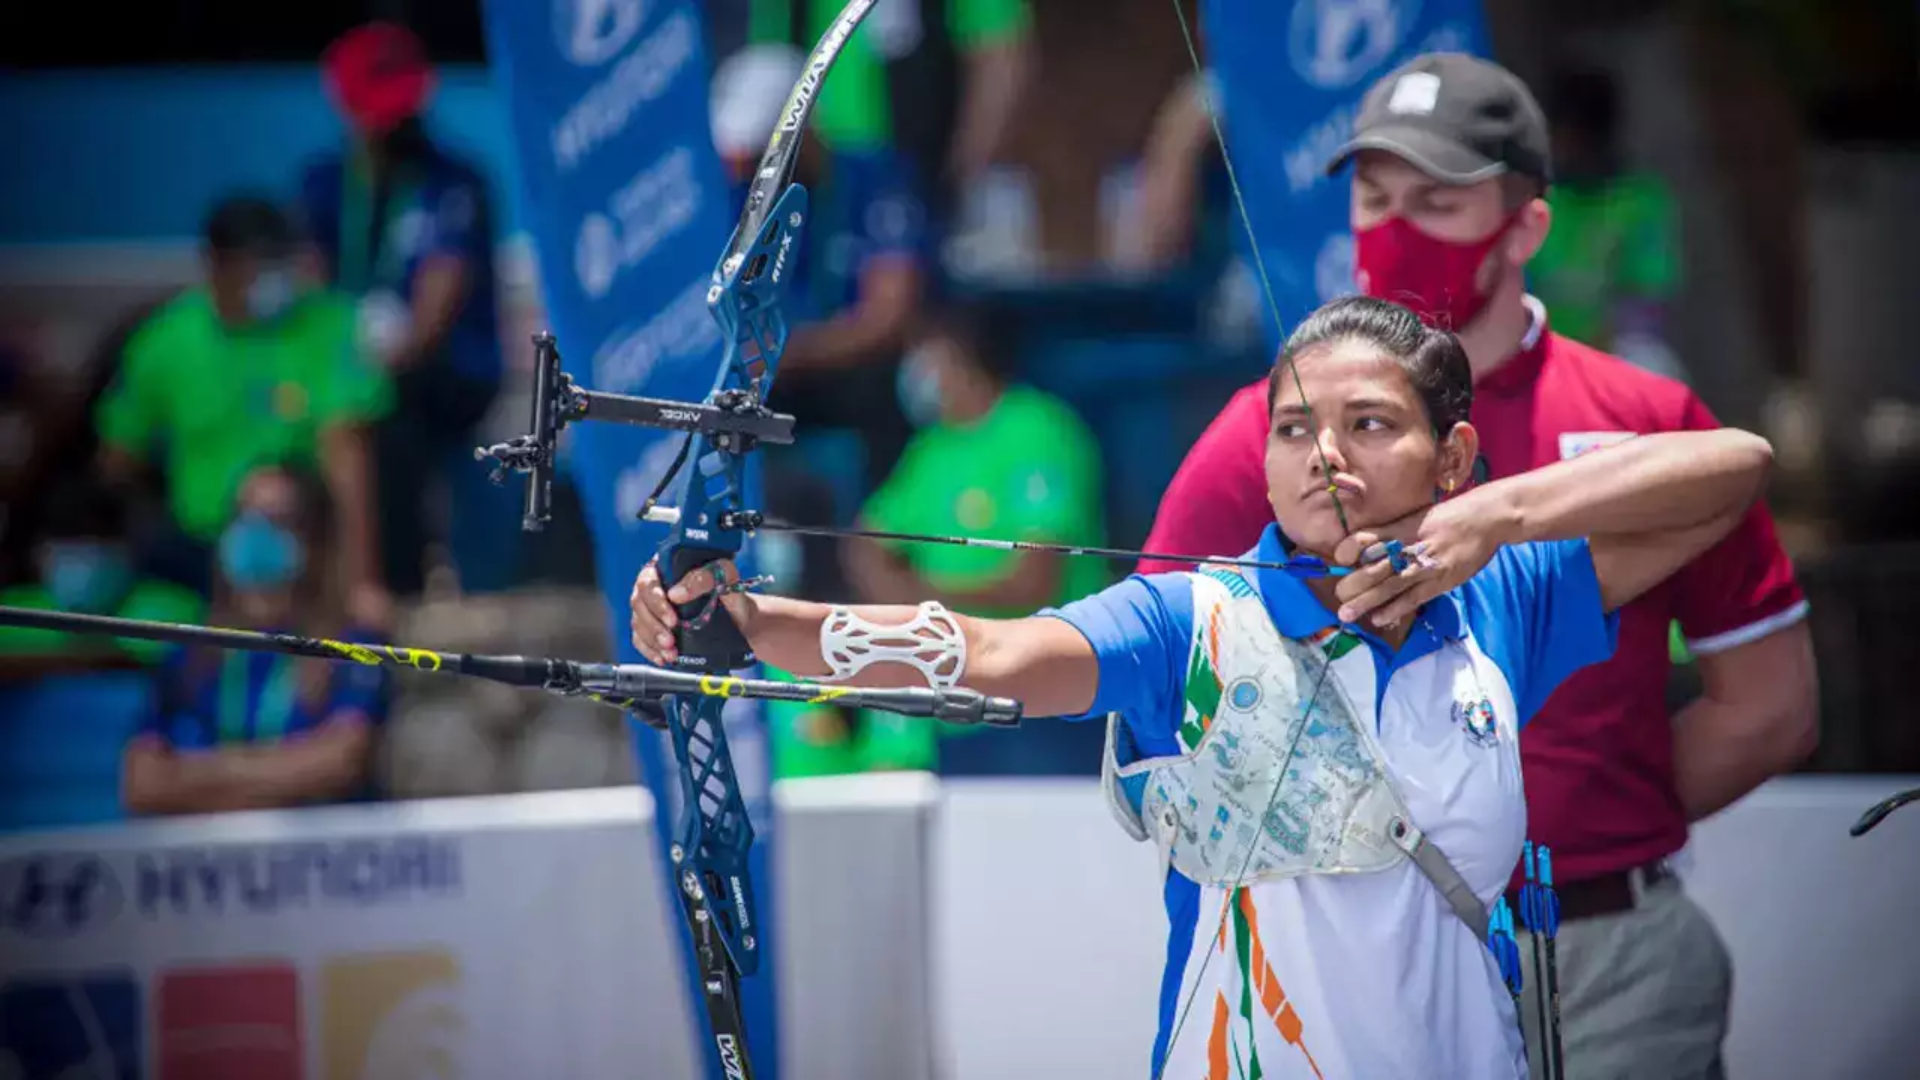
(1436, 278)
(919, 387)
(257, 554)
(86, 575)
(271, 293)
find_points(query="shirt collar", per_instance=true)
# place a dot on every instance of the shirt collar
(1297, 613)
(1520, 369)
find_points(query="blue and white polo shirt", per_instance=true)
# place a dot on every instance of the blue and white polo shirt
(1362, 975)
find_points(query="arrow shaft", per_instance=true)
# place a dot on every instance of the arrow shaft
(1300, 567)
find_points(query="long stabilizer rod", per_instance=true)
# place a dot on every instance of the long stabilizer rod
(627, 686)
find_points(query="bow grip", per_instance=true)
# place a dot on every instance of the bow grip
(718, 645)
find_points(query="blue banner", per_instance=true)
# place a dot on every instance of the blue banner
(624, 197)
(1289, 76)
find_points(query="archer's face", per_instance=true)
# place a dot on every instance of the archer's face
(1377, 441)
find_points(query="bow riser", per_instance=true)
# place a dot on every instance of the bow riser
(713, 882)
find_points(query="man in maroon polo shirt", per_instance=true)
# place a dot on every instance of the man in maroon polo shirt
(1450, 168)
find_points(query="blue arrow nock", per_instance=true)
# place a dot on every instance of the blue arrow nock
(1549, 900)
(1506, 952)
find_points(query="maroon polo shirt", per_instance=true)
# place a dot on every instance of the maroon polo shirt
(1598, 759)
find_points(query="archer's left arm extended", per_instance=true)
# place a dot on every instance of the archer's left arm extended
(1043, 663)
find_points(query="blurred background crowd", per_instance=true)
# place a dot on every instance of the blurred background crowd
(1024, 300)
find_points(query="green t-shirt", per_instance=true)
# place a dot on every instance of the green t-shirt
(213, 402)
(1608, 242)
(852, 111)
(157, 601)
(1028, 470)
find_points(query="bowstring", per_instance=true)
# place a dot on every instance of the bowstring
(1273, 306)
(1253, 245)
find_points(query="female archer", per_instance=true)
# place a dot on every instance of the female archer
(1327, 763)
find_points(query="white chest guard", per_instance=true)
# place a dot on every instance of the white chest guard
(1213, 811)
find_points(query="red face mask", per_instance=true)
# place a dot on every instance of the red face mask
(1395, 261)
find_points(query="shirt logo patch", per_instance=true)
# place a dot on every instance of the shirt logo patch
(1575, 443)
(1477, 720)
(1244, 694)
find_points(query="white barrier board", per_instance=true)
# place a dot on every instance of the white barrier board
(985, 931)
(503, 937)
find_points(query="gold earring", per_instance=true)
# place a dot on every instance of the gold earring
(1449, 485)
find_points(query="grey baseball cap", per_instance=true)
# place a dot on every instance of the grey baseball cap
(1457, 118)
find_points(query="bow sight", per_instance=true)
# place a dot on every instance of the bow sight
(734, 419)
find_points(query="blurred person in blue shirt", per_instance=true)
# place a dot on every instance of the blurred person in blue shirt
(865, 270)
(407, 227)
(238, 730)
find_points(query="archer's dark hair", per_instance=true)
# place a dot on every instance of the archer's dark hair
(250, 225)
(1433, 359)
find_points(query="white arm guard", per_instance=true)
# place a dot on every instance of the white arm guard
(932, 643)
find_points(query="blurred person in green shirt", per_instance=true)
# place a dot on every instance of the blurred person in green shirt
(991, 458)
(1610, 268)
(252, 365)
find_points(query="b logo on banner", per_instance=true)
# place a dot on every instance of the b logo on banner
(1335, 43)
(592, 32)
